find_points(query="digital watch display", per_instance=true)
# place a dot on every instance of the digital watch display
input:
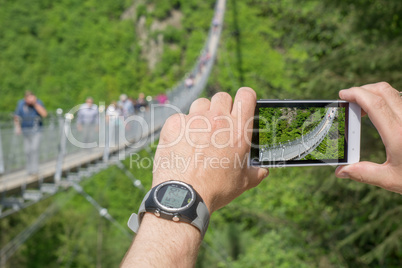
(176, 201)
(174, 196)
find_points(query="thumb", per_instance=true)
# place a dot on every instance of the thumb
(255, 175)
(366, 172)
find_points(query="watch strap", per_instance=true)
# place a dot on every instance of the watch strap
(202, 220)
(135, 220)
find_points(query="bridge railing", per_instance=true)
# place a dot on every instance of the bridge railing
(12, 145)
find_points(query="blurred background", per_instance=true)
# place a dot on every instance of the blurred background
(67, 50)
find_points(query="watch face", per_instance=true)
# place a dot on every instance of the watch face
(174, 196)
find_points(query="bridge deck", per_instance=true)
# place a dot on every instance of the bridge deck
(47, 170)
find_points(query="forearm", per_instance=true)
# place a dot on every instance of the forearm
(163, 243)
(17, 120)
(17, 124)
(40, 109)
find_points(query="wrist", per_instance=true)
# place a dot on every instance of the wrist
(180, 230)
(165, 243)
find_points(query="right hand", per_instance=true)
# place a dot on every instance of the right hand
(383, 105)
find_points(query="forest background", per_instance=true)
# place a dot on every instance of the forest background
(298, 217)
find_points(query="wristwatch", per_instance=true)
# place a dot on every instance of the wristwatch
(176, 201)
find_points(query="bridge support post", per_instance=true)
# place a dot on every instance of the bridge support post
(108, 128)
(62, 148)
(1, 157)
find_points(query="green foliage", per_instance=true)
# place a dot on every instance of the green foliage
(298, 217)
(57, 51)
(141, 10)
(65, 51)
(172, 35)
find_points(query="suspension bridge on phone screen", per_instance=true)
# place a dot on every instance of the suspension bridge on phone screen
(65, 163)
(302, 146)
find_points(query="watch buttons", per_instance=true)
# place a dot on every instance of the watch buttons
(157, 213)
(176, 217)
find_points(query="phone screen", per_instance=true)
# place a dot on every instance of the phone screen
(299, 132)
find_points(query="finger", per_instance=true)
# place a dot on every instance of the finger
(221, 102)
(386, 91)
(243, 111)
(376, 108)
(200, 105)
(244, 104)
(362, 113)
(255, 175)
(173, 130)
(370, 173)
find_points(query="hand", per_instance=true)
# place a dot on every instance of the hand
(383, 105)
(17, 130)
(208, 148)
(17, 125)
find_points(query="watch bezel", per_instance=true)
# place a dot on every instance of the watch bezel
(165, 208)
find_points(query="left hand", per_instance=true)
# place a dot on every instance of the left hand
(208, 148)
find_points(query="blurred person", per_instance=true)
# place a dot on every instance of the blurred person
(88, 120)
(141, 102)
(28, 120)
(113, 113)
(204, 60)
(189, 82)
(215, 22)
(162, 98)
(126, 106)
(113, 110)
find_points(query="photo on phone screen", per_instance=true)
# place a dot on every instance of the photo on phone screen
(300, 133)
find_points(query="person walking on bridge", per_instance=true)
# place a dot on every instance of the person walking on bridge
(87, 120)
(28, 121)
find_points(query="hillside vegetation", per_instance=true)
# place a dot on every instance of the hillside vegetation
(297, 217)
(67, 50)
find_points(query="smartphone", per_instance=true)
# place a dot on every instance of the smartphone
(305, 133)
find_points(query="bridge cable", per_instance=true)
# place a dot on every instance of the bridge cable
(102, 211)
(11, 247)
(136, 182)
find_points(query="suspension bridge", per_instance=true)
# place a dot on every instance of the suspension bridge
(63, 161)
(302, 146)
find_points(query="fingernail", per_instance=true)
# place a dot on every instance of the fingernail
(343, 175)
